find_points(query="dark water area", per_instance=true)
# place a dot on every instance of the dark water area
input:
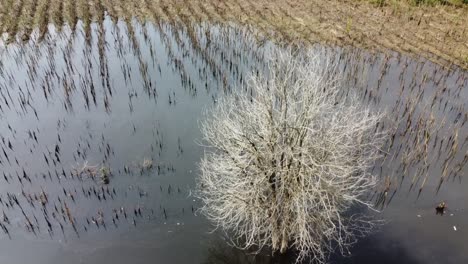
(100, 144)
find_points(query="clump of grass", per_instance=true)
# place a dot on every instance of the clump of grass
(349, 23)
(105, 174)
(147, 164)
(93, 172)
(85, 170)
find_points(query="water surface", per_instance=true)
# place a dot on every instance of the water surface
(128, 98)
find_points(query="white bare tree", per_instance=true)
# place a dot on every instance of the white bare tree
(287, 157)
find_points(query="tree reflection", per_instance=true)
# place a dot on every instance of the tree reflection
(220, 252)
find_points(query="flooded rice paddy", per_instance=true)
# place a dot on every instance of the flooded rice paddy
(99, 152)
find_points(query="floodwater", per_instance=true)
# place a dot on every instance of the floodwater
(99, 137)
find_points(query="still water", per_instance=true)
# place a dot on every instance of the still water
(100, 144)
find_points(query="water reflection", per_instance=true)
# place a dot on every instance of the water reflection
(367, 250)
(99, 123)
(220, 252)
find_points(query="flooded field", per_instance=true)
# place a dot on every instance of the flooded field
(99, 131)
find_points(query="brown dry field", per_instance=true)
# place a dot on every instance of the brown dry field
(438, 33)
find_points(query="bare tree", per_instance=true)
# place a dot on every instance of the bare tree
(287, 157)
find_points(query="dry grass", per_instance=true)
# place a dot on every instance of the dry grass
(458, 3)
(437, 32)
